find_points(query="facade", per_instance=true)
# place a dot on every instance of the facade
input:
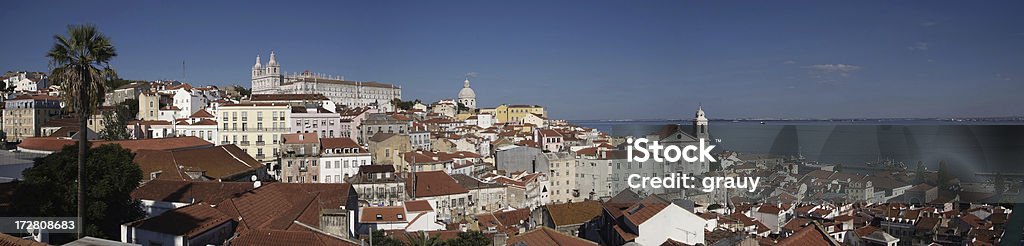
(445, 107)
(149, 106)
(324, 123)
(515, 113)
(300, 158)
(379, 185)
(27, 81)
(125, 92)
(24, 115)
(440, 190)
(383, 123)
(516, 158)
(340, 158)
(254, 127)
(387, 149)
(562, 175)
(467, 97)
(271, 80)
(483, 196)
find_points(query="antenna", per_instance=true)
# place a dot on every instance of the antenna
(182, 69)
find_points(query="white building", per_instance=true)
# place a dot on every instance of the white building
(324, 123)
(25, 81)
(467, 96)
(271, 80)
(672, 222)
(340, 158)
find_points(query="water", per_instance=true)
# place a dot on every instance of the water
(967, 147)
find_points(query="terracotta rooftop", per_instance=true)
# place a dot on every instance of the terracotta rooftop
(331, 143)
(547, 236)
(8, 240)
(809, 235)
(304, 236)
(278, 206)
(202, 113)
(225, 162)
(287, 97)
(190, 191)
(573, 213)
(418, 206)
(55, 144)
(188, 221)
(393, 214)
(433, 183)
(299, 138)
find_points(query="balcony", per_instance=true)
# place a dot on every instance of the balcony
(261, 156)
(243, 143)
(303, 168)
(260, 143)
(225, 142)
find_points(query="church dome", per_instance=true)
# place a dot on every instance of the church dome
(466, 92)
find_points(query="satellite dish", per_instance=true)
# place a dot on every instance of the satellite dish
(253, 178)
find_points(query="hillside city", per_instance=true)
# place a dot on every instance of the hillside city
(315, 159)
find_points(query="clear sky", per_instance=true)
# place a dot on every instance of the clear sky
(581, 59)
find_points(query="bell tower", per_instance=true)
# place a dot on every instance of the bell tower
(700, 124)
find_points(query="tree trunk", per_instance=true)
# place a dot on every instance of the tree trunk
(83, 143)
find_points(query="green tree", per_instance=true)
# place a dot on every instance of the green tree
(111, 175)
(115, 123)
(242, 92)
(379, 239)
(423, 239)
(80, 64)
(470, 238)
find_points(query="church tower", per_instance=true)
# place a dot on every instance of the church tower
(273, 69)
(467, 96)
(257, 69)
(700, 124)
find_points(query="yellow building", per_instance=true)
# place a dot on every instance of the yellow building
(25, 115)
(515, 113)
(149, 106)
(256, 128)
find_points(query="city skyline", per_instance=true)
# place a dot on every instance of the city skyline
(583, 60)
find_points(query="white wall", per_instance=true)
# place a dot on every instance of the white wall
(672, 222)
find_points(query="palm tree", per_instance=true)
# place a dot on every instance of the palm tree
(80, 64)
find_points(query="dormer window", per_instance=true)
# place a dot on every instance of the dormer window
(380, 217)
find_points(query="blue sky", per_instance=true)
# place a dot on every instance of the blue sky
(582, 59)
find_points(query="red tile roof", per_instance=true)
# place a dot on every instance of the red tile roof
(188, 221)
(8, 240)
(300, 138)
(393, 214)
(418, 206)
(304, 237)
(331, 143)
(202, 113)
(190, 191)
(433, 183)
(645, 209)
(56, 144)
(812, 235)
(224, 162)
(547, 236)
(574, 212)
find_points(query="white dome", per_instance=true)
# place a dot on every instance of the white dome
(467, 92)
